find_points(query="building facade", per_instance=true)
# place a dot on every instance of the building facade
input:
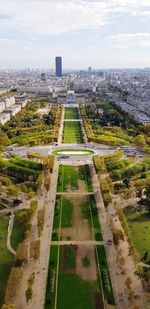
(58, 66)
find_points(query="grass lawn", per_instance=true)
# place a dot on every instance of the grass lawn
(71, 113)
(19, 229)
(56, 222)
(70, 259)
(85, 170)
(51, 280)
(67, 210)
(69, 175)
(74, 293)
(6, 258)
(139, 224)
(96, 224)
(106, 281)
(72, 132)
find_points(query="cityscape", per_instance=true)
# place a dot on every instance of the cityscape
(75, 154)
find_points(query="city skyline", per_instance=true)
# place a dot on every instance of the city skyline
(103, 34)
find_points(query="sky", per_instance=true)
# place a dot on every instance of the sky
(98, 33)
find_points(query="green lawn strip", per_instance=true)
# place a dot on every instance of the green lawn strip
(71, 113)
(60, 180)
(6, 258)
(105, 276)
(56, 221)
(89, 211)
(88, 178)
(51, 279)
(95, 219)
(139, 224)
(67, 210)
(20, 228)
(72, 132)
(68, 176)
(74, 293)
(86, 262)
(70, 258)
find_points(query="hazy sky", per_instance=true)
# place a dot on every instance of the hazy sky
(100, 33)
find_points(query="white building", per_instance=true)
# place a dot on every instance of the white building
(9, 101)
(71, 97)
(13, 110)
(60, 88)
(2, 106)
(4, 117)
(34, 89)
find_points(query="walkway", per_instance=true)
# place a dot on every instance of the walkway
(10, 228)
(61, 128)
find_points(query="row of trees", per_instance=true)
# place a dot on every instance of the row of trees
(28, 127)
(111, 126)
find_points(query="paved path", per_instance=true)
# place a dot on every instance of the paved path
(10, 228)
(61, 128)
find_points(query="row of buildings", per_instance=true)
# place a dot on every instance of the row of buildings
(10, 106)
(128, 89)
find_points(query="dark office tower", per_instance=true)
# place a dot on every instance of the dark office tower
(58, 64)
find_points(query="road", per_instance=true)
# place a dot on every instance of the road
(47, 149)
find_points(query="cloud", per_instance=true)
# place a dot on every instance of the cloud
(131, 39)
(52, 17)
(121, 46)
(55, 17)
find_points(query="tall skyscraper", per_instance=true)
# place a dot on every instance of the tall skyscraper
(90, 70)
(58, 66)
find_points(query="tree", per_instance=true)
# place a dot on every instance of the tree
(131, 295)
(13, 284)
(122, 261)
(128, 282)
(139, 193)
(35, 249)
(8, 306)
(12, 191)
(147, 196)
(126, 182)
(21, 254)
(140, 140)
